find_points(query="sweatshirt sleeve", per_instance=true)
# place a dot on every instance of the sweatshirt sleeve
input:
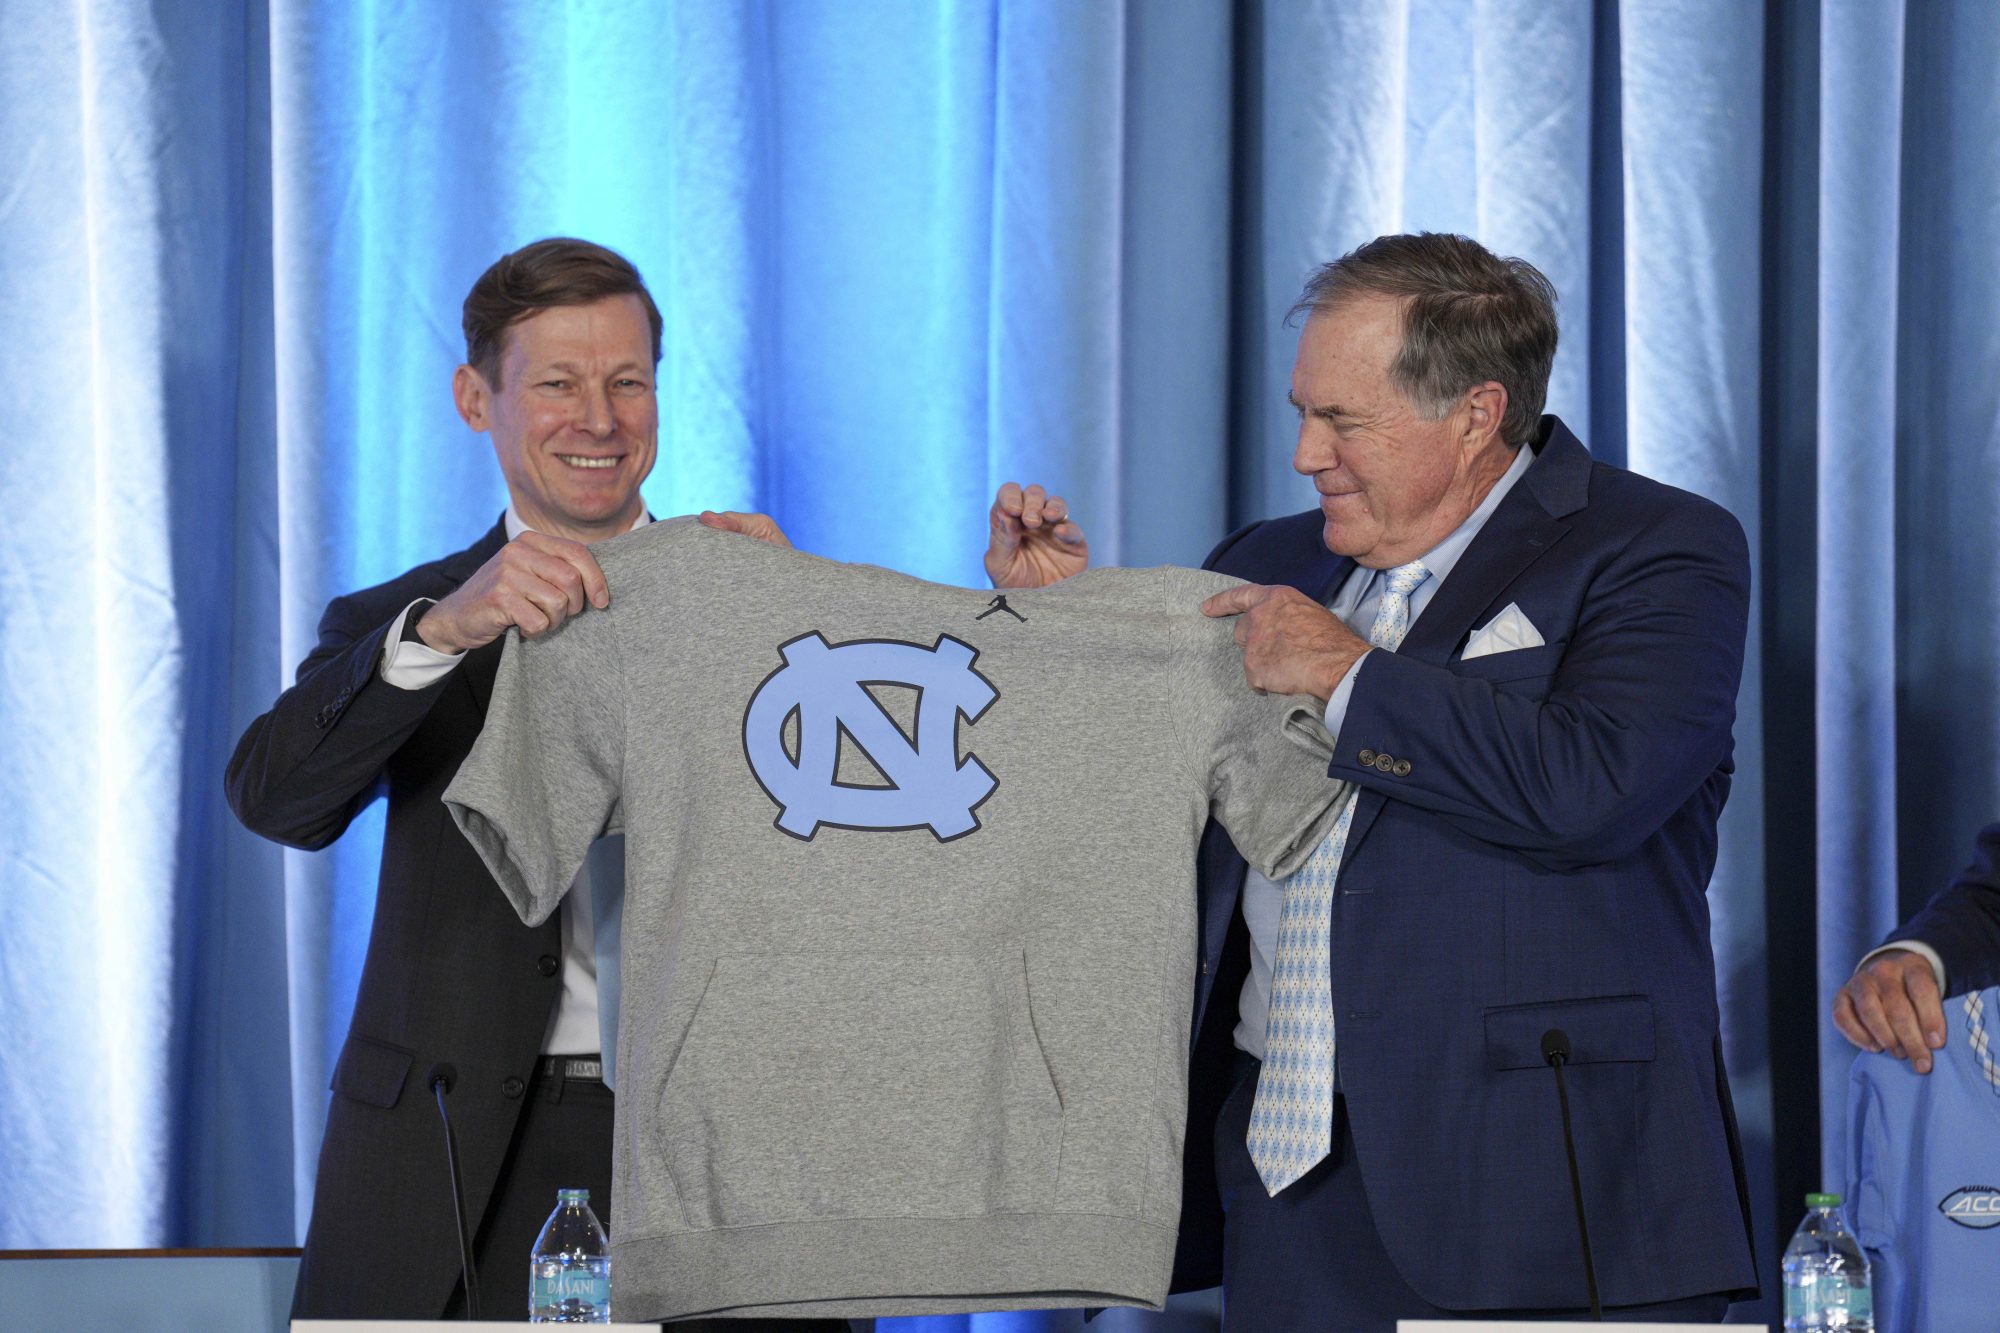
(544, 780)
(1260, 758)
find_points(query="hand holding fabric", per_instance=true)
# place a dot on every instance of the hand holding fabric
(1291, 644)
(1891, 1003)
(1034, 542)
(761, 526)
(535, 581)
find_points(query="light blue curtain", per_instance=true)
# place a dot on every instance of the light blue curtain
(1860, 244)
(1691, 79)
(907, 251)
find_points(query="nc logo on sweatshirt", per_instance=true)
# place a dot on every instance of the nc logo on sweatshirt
(824, 685)
(1975, 1206)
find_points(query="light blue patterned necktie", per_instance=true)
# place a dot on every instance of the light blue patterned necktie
(1291, 1120)
(1975, 1032)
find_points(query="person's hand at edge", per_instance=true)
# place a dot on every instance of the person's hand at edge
(761, 526)
(1034, 540)
(1891, 1004)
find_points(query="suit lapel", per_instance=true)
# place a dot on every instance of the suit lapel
(458, 568)
(1514, 538)
(1528, 522)
(481, 664)
(1316, 572)
(1323, 575)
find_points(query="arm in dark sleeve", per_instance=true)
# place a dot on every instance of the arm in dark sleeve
(1963, 921)
(1637, 713)
(303, 770)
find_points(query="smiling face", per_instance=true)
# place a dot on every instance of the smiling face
(1391, 484)
(574, 418)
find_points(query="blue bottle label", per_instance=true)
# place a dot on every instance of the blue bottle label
(574, 1284)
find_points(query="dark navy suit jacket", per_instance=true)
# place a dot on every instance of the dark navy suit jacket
(1531, 848)
(451, 976)
(1963, 921)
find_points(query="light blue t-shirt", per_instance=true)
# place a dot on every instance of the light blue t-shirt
(1923, 1189)
(1355, 602)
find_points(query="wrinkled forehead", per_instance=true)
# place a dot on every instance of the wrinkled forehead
(1359, 317)
(1351, 342)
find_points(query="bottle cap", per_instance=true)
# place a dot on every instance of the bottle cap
(572, 1196)
(1822, 1201)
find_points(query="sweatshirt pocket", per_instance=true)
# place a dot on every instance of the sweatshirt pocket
(838, 1085)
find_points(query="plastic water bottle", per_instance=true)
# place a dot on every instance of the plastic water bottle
(1826, 1275)
(569, 1274)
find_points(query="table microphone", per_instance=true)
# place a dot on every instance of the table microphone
(441, 1078)
(1555, 1051)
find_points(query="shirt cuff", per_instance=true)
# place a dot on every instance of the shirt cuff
(412, 666)
(1917, 947)
(1336, 703)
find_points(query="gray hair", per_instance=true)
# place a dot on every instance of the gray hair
(1469, 316)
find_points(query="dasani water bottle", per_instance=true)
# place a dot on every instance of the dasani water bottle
(569, 1274)
(1826, 1275)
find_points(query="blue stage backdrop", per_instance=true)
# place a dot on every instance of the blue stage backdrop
(908, 251)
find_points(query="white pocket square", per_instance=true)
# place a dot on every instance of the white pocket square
(1507, 632)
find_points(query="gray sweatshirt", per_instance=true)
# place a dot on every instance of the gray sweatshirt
(909, 931)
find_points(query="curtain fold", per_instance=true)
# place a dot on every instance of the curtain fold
(1322, 172)
(1530, 159)
(1693, 87)
(900, 261)
(1944, 454)
(1860, 144)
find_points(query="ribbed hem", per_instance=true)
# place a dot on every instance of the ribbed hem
(854, 1268)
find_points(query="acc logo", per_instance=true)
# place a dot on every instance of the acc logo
(1975, 1206)
(823, 685)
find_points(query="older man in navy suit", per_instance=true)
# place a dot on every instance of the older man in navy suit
(1531, 663)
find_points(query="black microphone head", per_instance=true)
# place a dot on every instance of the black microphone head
(447, 1075)
(1555, 1046)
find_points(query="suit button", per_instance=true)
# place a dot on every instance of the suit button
(1402, 768)
(1367, 758)
(512, 1087)
(546, 965)
(1383, 763)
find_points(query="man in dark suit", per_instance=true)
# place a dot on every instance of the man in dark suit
(562, 340)
(1895, 1000)
(1531, 663)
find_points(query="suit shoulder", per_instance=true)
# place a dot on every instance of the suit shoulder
(385, 599)
(1256, 547)
(1639, 503)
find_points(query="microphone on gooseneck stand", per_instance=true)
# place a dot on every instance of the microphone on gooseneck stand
(1555, 1051)
(441, 1078)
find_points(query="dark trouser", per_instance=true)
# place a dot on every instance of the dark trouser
(563, 1141)
(1311, 1258)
